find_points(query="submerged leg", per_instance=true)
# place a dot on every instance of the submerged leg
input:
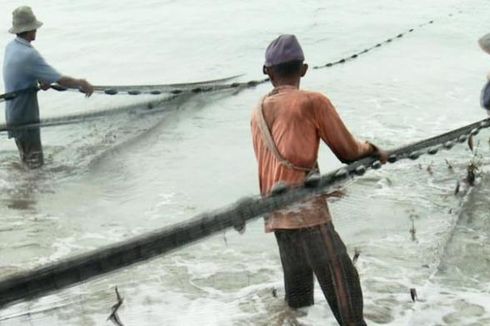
(20, 147)
(298, 275)
(336, 274)
(30, 148)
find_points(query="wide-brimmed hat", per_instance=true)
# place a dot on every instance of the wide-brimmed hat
(283, 49)
(23, 20)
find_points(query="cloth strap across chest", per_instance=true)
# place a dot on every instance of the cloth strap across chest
(271, 145)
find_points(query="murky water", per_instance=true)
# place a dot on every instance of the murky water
(112, 178)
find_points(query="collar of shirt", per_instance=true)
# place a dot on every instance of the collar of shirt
(22, 41)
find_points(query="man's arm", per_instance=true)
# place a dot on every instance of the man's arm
(336, 135)
(46, 75)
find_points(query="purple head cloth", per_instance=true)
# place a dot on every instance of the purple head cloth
(285, 48)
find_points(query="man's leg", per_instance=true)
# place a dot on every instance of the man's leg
(336, 274)
(20, 147)
(298, 275)
(30, 148)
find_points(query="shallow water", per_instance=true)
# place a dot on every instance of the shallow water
(115, 177)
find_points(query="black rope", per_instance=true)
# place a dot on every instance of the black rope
(11, 95)
(153, 105)
(375, 46)
(155, 89)
(70, 271)
(190, 88)
(173, 89)
(130, 89)
(205, 86)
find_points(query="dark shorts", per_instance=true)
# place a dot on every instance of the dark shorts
(30, 148)
(320, 251)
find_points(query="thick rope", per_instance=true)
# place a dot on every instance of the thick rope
(11, 95)
(131, 90)
(152, 105)
(70, 271)
(156, 89)
(70, 119)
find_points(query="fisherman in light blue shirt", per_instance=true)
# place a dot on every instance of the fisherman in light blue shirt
(484, 43)
(24, 68)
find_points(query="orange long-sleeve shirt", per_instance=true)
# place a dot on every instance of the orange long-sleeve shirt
(297, 120)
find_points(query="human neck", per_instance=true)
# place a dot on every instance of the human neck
(27, 37)
(293, 82)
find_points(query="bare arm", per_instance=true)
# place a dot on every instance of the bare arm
(343, 144)
(81, 84)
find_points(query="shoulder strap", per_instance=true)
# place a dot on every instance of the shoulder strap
(269, 141)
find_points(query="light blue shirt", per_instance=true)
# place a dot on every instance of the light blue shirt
(24, 67)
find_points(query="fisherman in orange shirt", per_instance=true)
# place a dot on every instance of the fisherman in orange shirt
(287, 127)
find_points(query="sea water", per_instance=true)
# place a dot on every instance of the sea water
(119, 176)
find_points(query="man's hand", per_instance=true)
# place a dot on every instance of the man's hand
(379, 153)
(86, 87)
(83, 85)
(382, 155)
(44, 86)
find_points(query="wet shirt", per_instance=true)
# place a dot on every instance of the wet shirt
(297, 120)
(23, 67)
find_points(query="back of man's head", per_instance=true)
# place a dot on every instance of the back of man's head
(284, 57)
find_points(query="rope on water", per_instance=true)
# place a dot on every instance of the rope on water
(201, 88)
(135, 89)
(70, 271)
(377, 45)
(204, 86)
(192, 88)
(155, 89)
(149, 106)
